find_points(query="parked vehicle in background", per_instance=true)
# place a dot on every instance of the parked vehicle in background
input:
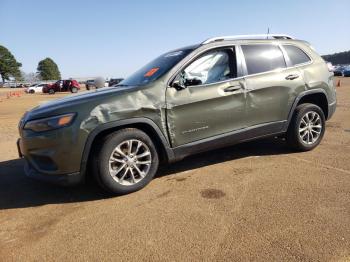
(62, 86)
(114, 81)
(35, 88)
(338, 70)
(89, 84)
(346, 71)
(223, 91)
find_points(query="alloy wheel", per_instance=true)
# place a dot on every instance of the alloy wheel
(310, 127)
(130, 162)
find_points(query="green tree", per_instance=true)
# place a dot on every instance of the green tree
(8, 65)
(338, 58)
(48, 70)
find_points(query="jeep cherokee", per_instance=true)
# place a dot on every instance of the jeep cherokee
(223, 91)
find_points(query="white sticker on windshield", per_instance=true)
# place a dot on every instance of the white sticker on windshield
(174, 54)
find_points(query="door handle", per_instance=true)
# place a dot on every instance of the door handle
(292, 77)
(232, 88)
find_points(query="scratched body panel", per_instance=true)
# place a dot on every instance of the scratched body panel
(203, 111)
(270, 96)
(94, 108)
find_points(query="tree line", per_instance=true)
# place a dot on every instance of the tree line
(9, 67)
(338, 58)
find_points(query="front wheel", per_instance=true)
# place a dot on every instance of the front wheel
(74, 90)
(51, 91)
(126, 161)
(307, 127)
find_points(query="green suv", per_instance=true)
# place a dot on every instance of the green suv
(223, 91)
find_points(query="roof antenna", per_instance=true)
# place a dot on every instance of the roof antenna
(268, 32)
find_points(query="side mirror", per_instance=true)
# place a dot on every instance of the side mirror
(177, 85)
(193, 82)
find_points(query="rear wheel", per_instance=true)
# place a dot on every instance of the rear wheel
(126, 161)
(307, 127)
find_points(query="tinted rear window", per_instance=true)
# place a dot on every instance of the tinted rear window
(296, 55)
(263, 58)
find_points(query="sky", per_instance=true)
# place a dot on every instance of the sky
(115, 38)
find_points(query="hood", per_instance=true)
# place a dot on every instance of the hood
(76, 99)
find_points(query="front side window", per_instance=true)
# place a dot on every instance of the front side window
(263, 58)
(296, 55)
(214, 66)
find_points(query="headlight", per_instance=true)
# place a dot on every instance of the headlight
(50, 123)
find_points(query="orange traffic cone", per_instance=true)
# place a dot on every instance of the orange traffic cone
(338, 84)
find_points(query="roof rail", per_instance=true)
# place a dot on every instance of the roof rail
(242, 37)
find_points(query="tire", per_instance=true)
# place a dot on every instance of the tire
(31, 91)
(300, 135)
(51, 91)
(74, 90)
(122, 182)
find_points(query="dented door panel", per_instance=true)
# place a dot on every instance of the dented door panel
(199, 112)
(271, 95)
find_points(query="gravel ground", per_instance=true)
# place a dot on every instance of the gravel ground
(254, 201)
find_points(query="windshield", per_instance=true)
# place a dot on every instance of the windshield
(156, 68)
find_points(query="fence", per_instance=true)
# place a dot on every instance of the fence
(14, 84)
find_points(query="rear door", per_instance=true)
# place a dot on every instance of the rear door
(271, 86)
(212, 101)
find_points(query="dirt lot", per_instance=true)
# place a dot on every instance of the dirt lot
(254, 201)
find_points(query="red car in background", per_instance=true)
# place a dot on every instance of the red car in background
(62, 86)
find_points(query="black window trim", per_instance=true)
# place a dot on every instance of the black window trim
(239, 64)
(244, 65)
(289, 64)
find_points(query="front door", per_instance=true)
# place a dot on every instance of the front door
(211, 101)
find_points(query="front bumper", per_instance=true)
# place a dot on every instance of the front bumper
(69, 179)
(62, 180)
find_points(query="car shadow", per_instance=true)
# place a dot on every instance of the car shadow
(18, 191)
(267, 146)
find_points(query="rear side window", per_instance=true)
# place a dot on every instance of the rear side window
(263, 58)
(296, 55)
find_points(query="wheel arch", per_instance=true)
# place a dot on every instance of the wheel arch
(144, 124)
(315, 96)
